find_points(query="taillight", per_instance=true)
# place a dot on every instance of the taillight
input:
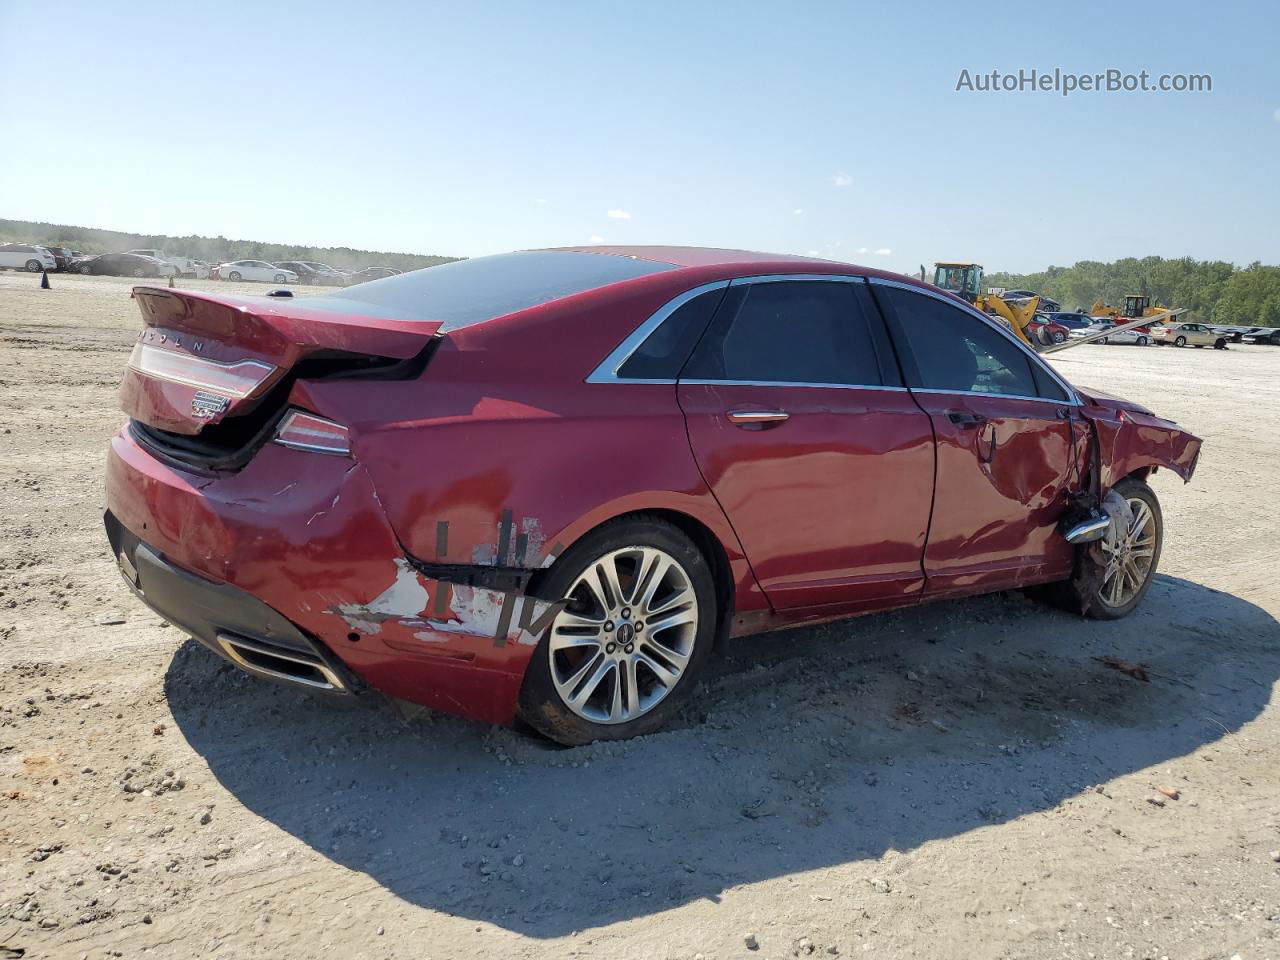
(237, 379)
(306, 431)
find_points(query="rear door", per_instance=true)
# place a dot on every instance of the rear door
(1007, 444)
(801, 427)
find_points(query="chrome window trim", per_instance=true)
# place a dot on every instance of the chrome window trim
(987, 393)
(781, 277)
(1072, 397)
(607, 370)
(793, 383)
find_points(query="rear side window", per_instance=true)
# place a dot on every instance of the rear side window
(795, 331)
(664, 351)
(467, 292)
(954, 350)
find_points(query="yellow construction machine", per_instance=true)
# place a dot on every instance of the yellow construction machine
(965, 281)
(1135, 306)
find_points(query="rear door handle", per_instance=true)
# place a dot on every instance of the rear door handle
(966, 419)
(746, 418)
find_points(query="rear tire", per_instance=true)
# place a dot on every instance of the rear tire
(84, 269)
(280, 278)
(139, 272)
(586, 639)
(1142, 341)
(1090, 591)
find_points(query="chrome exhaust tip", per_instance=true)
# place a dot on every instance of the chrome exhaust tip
(291, 666)
(1089, 531)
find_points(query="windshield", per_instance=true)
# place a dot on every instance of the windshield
(466, 292)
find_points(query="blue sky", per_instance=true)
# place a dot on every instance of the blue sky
(466, 129)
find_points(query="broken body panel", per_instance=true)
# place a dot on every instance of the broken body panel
(416, 560)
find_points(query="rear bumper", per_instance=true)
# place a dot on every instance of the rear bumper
(294, 551)
(229, 621)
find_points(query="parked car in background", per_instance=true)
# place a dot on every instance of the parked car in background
(1184, 334)
(327, 495)
(61, 255)
(186, 265)
(1266, 335)
(315, 273)
(374, 273)
(1139, 336)
(1047, 331)
(26, 256)
(1072, 321)
(255, 270)
(126, 265)
(1237, 334)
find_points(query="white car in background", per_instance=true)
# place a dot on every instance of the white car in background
(26, 256)
(1098, 326)
(258, 270)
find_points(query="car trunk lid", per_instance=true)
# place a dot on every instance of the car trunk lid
(204, 358)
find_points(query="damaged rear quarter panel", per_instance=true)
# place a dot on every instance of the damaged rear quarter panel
(501, 455)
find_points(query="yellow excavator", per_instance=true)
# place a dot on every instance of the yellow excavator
(965, 281)
(1135, 306)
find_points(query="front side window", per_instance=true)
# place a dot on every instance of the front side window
(956, 351)
(794, 331)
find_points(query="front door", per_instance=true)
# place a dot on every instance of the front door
(816, 452)
(1008, 446)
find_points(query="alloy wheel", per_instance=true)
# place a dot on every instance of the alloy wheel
(1128, 555)
(625, 638)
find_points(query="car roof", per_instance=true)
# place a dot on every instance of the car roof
(690, 256)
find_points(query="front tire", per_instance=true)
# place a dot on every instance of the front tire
(280, 278)
(1180, 342)
(1220, 344)
(1112, 575)
(626, 651)
(34, 266)
(233, 275)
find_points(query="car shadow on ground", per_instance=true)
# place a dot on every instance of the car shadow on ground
(803, 750)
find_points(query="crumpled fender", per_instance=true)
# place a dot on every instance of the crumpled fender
(1132, 438)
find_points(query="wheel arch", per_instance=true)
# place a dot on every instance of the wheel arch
(709, 544)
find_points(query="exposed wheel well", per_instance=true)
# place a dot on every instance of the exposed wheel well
(707, 543)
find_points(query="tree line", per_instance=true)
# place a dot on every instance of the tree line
(212, 249)
(1214, 291)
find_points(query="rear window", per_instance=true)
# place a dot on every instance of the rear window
(470, 291)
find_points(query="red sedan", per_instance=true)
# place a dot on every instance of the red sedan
(547, 484)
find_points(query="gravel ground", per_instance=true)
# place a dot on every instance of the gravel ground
(961, 780)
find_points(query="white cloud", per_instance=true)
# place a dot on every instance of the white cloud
(596, 238)
(842, 179)
(883, 252)
(618, 215)
(864, 250)
(798, 210)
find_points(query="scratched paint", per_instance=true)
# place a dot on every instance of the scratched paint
(405, 599)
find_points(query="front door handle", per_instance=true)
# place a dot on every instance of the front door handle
(747, 418)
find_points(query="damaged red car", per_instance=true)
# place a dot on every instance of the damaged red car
(546, 485)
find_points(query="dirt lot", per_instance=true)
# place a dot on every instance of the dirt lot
(963, 780)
